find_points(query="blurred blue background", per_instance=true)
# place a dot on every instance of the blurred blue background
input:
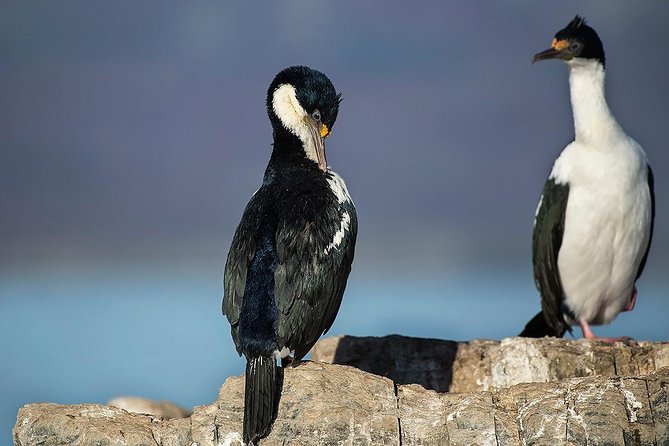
(132, 135)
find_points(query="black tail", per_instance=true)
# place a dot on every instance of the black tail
(264, 381)
(538, 328)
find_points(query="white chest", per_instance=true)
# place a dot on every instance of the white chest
(607, 227)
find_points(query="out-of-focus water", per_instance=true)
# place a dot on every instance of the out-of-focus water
(87, 335)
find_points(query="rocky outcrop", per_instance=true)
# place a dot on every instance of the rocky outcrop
(325, 404)
(449, 366)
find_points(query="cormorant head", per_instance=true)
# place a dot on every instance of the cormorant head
(303, 102)
(576, 41)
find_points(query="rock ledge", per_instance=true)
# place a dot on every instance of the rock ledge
(326, 404)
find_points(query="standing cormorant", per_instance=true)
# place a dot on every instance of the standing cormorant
(292, 252)
(594, 222)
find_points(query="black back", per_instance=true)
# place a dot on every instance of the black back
(295, 211)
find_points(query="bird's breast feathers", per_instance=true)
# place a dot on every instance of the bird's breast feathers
(607, 228)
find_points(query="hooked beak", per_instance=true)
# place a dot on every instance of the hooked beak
(559, 50)
(318, 132)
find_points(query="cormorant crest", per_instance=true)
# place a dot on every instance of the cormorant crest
(577, 22)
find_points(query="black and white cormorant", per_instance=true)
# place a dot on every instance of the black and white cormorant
(594, 223)
(292, 252)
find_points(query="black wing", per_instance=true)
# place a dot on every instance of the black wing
(311, 275)
(546, 242)
(242, 250)
(651, 189)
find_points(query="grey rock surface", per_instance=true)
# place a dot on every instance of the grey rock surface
(325, 404)
(448, 366)
(162, 409)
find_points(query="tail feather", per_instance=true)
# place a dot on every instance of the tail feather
(264, 381)
(537, 327)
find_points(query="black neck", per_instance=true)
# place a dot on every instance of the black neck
(285, 142)
(287, 154)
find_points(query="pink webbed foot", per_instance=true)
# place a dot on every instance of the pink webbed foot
(588, 334)
(632, 302)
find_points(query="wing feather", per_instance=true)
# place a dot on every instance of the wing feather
(309, 279)
(242, 250)
(651, 189)
(546, 243)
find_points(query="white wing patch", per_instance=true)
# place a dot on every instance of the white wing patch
(338, 188)
(536, 213)
(344, 225)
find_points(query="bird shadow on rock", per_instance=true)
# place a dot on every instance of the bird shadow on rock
(428, 362)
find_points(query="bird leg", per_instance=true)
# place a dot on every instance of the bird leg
(588, 334)
(287, 361)
(630, 305)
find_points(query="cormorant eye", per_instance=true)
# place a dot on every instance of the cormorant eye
(316, 115)
(575, 46)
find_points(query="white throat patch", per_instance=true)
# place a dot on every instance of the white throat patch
(294, 117)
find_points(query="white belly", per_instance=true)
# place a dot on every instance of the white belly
(607, 229)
